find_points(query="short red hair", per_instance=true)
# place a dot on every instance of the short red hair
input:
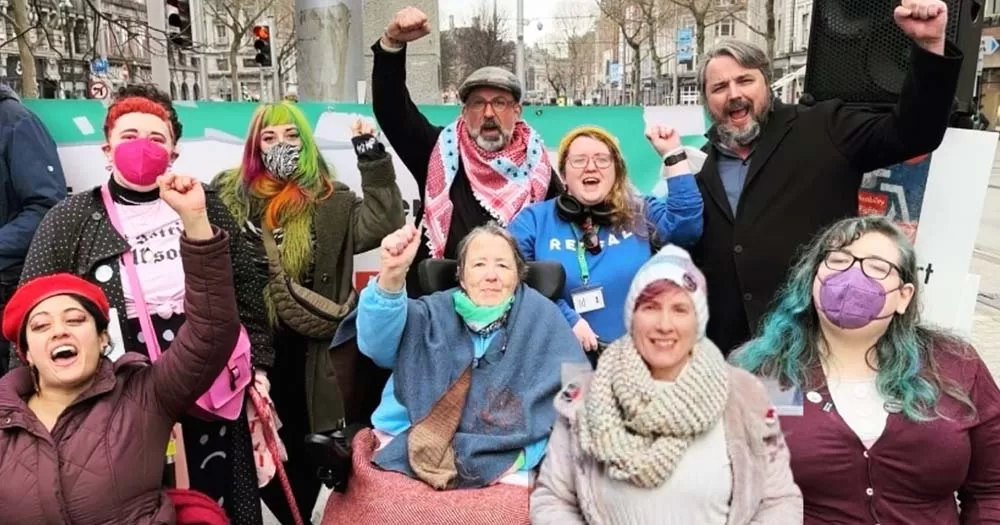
(655, 289)
(135, 105)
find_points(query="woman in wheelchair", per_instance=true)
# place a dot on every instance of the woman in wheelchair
(466, 415)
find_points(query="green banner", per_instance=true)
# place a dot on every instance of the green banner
(75, 123)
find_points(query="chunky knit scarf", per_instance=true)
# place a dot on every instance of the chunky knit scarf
(638, 428)
(503, 181)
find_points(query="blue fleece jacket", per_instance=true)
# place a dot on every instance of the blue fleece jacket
(543, 236)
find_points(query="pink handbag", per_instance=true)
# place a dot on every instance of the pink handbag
(224, 400)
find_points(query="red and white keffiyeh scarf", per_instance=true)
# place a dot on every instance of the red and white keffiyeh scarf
(503, 182)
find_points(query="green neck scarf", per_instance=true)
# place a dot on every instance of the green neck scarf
(481, 319)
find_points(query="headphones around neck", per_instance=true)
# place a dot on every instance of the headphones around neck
(572, 210)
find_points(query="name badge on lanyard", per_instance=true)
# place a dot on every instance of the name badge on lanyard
(587, 298)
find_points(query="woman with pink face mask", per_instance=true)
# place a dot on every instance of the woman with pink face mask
(78, 236)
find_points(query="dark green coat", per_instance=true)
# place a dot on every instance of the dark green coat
(345, 225)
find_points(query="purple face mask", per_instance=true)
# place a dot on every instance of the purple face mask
(850, 299)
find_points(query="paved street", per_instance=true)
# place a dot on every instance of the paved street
(986, 263)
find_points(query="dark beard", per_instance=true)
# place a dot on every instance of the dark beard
(741, 138)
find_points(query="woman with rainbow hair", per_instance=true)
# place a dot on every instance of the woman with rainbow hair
(886, 419)
(308, 227)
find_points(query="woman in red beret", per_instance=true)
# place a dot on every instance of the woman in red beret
(142, 133)
(82, 438)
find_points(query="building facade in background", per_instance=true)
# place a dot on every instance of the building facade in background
(423, 57)
(65, 45)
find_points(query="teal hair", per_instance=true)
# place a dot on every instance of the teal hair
(789, 347)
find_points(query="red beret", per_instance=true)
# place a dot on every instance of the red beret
(33, 292)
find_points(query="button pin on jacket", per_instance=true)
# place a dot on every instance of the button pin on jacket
(814, 397)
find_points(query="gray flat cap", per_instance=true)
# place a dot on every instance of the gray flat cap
(491, 76)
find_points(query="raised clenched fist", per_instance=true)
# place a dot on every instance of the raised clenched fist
(397, 252)
(408, 25)
(664, 139)
(924, 21)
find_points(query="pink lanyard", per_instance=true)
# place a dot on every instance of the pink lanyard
(152, 343)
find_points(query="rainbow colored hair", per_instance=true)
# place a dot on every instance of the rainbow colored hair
(250, 192)
(790, 347)
(312, 182)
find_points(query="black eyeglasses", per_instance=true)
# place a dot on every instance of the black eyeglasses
(874, 267)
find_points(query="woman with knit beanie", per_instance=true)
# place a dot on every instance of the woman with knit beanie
(665, 431)
(602, 231)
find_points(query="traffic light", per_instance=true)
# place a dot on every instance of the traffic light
(262, 43)
(179, 23)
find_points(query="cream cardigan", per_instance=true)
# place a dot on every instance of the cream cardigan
(764, 492)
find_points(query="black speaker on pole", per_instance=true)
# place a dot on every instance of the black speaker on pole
(858, 54)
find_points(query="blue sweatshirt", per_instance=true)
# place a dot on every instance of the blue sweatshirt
(543, 236)
(380, 323)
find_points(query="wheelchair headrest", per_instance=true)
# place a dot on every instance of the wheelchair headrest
(546, 277)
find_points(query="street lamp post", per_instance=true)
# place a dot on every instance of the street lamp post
(519, 64)
(65, 6)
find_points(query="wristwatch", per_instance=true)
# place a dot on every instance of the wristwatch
(674, 159)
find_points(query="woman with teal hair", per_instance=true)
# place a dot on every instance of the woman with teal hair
(308, 227)
(886, 419)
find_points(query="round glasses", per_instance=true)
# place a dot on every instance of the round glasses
(874, 267)
(580, 161)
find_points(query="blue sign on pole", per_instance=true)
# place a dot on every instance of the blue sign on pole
(99, 66)
(685, 44)
(615, 72)
(989, 45)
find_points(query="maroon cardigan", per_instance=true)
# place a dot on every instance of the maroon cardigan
(910, 475)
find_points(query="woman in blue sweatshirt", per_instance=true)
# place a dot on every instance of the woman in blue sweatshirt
(602, 231)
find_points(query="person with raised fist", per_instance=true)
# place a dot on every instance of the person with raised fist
(84, 436)
(469, 403)
(602, 231)
(486, 165)
(307, 227)
(130, 218)
(777, 174)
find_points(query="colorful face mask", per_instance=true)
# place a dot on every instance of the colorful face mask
(850, 299)
(140, 161)
(282, 160)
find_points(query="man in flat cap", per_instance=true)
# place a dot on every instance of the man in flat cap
(487, 165)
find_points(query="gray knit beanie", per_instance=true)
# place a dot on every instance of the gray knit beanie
(674, 264)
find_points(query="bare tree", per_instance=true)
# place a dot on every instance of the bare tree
(627, 16)
(450, 58)
(657, 14)
(707, 13)
(485, 43)
(768, 31)
(556, 72)
(239, 17)
(284, 59)
(578, 40)
(25, 48)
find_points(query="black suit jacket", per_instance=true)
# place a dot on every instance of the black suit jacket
(805, 174)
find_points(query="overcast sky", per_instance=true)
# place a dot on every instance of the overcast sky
(544, 11)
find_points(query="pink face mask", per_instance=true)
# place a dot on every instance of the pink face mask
(141, 161)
